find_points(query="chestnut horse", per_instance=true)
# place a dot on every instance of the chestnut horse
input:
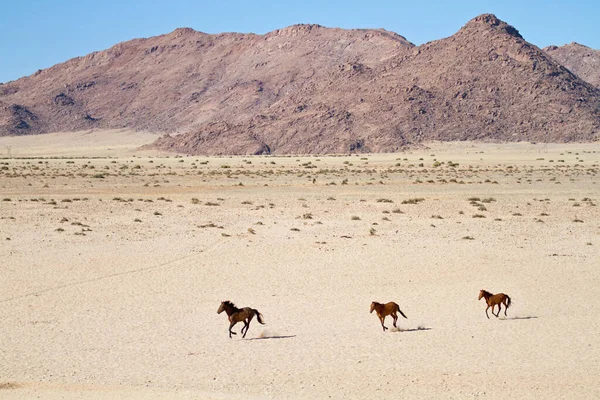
(384, 310)
(493, 300)
(236, 315)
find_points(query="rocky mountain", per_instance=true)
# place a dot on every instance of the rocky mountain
(310, 89)
(581, 60)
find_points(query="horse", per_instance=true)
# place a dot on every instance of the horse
(384, 310)
(495, 299)
(236, 315)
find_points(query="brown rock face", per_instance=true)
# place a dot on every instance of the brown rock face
(310, 89)
(581, 60)
(16, 119)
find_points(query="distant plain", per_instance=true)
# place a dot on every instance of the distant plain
(115, 262)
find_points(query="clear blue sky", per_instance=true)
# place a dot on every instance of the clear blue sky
(36, 34)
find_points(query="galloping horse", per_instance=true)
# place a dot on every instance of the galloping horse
(495, 299)
(384, 310)
(236, 315)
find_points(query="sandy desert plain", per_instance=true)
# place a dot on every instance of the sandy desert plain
(115, 260)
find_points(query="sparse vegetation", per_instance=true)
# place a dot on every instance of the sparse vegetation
(415, 200)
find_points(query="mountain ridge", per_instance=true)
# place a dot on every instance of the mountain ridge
(310, 89)
(580, 59)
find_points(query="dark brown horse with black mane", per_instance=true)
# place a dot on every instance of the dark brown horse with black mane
(493, 300)
(386, 309)
(236, 315)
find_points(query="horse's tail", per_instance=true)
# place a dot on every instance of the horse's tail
(400, 311)
(258, 316)
(508, 301)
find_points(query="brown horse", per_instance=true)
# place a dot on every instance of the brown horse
(386, 309)
(236, 315)
(493, 300)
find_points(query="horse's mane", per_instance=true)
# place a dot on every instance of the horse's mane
(229, 303)
(486, 292)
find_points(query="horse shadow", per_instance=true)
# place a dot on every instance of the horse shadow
(273, 337)
(518, 318)
(402, 330)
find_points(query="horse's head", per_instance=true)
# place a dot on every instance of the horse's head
(372, 307)
(221, 307)
(481, 292)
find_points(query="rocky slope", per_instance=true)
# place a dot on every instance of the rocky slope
(581, 60)
(310, 89)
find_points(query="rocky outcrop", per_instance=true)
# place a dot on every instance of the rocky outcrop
(581, 60)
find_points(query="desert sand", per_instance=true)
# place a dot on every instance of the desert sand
(114, 263)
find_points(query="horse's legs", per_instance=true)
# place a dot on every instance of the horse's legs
(247, 323)
(505, 308)
(486, 314)
(231, 326)
(499, 309)
(247, 326)
(395, 316)
(382, 319)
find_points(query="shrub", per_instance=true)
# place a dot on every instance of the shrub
(413, 201)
